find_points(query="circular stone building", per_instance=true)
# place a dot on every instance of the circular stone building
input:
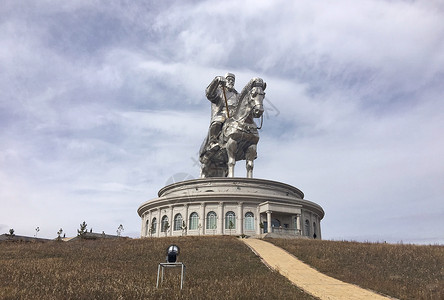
(223, 205)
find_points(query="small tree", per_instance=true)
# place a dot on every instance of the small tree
(81, 232)
(166, 226)
(11, 232)
(152, 229)
(120, 229)
(59, 233)
(230, 226)
(184, 228)
(36, 231)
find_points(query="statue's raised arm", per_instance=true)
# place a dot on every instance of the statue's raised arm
(213, 88)
(232, 134)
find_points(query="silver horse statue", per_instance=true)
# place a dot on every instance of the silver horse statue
(239, 135)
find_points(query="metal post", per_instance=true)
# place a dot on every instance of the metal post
(170, 265)
(181, 278)
(158, 271)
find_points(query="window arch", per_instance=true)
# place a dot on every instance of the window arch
(307, 228)
(178, 222)
(249, 221)
(194, 220)
(230, 220)
(165, 224)
(153, 226)
(211, 220)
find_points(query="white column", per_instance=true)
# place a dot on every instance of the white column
(142, 231)
(257, 217)
(150, 219)
(171, 220)
(240, 224)
(316, 221)
(302, 224)
(147, 230)
(298, 224)
(311, 225)
(220, 221)
(144, 219)
(186, 217)
(268, 221)
(159, 223)
(202, 217)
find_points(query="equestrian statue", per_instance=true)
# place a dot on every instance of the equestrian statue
(233, 134)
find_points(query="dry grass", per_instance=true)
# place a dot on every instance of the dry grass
(217, 268)
(401, 271)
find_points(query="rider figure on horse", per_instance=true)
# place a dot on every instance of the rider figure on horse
(220, 92)
(233, 134)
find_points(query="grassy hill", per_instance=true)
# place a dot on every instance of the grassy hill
(401, 271)
(217, 268)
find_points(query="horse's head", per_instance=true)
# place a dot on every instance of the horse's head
(257, 96)
(251, 100)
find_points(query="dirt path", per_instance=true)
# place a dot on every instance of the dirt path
(306, 277)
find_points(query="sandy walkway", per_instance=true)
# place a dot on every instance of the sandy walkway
(305, 277)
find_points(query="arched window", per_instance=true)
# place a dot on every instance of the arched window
(153, 226)
(211, 220)
(194, 220)
(178, 222)
(147, 228)
(249, 221)
(307, 228)
(230, 220)
(165, 224)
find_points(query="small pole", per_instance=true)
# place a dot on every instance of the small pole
(158, 271)
(181, 278)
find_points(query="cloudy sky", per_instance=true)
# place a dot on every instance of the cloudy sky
(102, 103)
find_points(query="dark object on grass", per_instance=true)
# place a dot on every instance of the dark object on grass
(172, 253)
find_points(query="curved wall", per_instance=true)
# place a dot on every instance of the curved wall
(221, 205)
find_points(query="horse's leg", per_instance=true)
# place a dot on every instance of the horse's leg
(231, 152)
(250, 156)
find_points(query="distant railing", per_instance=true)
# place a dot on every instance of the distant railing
(283, 230)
